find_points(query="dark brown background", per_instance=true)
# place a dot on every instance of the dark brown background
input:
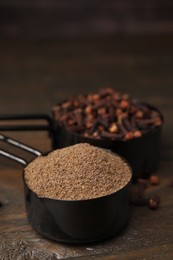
(50, 50)
(74, 18)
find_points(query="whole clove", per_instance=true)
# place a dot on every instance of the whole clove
(154, 180)
(113, 128)
(154, 201)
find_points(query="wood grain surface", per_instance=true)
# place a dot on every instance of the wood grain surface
(36, 75)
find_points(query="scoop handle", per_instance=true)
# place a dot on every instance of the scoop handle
(13, 157)
(25, 118)
(19, 145)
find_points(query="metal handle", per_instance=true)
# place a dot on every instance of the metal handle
(26, 117)
(13, 157)
(19, 145)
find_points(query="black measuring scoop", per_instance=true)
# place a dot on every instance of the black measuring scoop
(73, 221)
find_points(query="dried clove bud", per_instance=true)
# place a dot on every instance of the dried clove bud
(139, 114)
(113, 128)
(128, 136)
(88, 110)
(88, 124)
(137, 134)
(66, 104)
(154, 180)
(124, 104)
(96, 97)
(71, 122)
(95, 134)
(154, 201)
(125, 96)
(101, 111)
(128, 124)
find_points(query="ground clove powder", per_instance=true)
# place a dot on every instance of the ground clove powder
(78, 172)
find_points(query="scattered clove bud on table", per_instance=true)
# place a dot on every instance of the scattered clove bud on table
(154, 180)
(154, 201)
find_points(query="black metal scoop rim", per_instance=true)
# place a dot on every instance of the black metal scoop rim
(33, 151)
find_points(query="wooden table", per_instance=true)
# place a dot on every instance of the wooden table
(36, 75)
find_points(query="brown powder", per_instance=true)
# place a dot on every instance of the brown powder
(78, 172)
